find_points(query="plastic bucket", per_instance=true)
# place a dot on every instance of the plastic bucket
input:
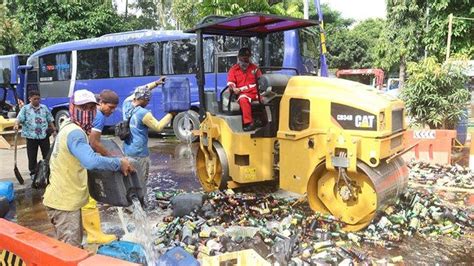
(113, 187)
(123, 250)
(7, 191)
(176, 94)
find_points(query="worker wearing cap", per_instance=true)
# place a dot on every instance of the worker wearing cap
(72, 156)
(141, 120)
(242, 80)
(108, 101)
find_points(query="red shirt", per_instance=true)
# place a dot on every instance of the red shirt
(241, 79)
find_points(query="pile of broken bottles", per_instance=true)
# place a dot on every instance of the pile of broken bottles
(441, 175)
(287, 231)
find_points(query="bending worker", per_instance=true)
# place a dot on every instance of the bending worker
(67, 191)
(108, 101)
(141, 119)
(242, 80)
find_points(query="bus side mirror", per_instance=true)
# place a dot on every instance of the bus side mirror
(24, 68)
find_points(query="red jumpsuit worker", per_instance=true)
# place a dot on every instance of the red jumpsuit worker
(242, 80)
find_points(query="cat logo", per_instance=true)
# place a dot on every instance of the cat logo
(7, 258)
(364, 121)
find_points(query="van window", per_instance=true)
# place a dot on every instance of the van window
(55, 67)
(299, 114)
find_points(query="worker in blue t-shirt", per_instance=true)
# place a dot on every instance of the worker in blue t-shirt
(136, 146)
(108, 101)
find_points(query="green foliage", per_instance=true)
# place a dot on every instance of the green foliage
(232, 7)
(435, 94)
(48, 22)
(401, 40)
(149, 17)
(186, 13)
(9, 32)
(355, 48)
(416, 25)
(462, 29)
(288, 8)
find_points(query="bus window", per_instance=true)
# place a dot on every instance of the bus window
(208, 55)
(138, 56)
(4, 68)
(90, 64)
(22, 59)
(55, 67)
(309, 49)
(275, 49)
(255, 47)
(308, 44)
(125, 56)
(32, 76)
(179, 57)
(224, 63)
(150, 60)
(228, 44)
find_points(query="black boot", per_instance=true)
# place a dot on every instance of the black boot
(249, 127)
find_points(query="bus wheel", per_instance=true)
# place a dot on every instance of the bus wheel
(60, 117)
(183, 125)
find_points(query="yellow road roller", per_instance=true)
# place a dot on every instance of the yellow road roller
(336, 140)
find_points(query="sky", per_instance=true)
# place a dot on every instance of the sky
(358, 9)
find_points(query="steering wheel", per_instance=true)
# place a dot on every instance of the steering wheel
(231, 94)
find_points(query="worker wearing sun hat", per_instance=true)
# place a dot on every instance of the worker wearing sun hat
(72, 156)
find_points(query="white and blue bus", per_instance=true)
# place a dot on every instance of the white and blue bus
(125, 60)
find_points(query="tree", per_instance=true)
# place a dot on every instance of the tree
(9, 32)
(435, 94)
(186, 13)
(44, 23)
(355, 48)
(401, 40)
(148, 19)
(288, 8)
(436, 32)
(232, 7)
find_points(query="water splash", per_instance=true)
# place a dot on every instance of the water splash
(189, 141)
(142, 232)
(122, 220)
